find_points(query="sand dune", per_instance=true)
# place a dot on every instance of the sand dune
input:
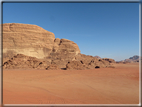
(118, 85)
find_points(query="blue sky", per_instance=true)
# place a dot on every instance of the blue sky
(108, 30)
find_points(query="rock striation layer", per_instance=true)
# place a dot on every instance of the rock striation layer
(27, 39)
(32, 40)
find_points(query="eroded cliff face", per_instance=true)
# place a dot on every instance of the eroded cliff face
(32, 40)
(27, 39)
(31, 47)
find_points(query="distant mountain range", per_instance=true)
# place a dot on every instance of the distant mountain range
(97, 57)
(135, 58)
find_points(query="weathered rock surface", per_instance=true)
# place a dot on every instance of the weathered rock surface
(52, 67)
(82, 61)
(63, 51)
(32, 40)
(109, 60)
(27, 39)
(30, 46)
(75, 65)
(23, 61)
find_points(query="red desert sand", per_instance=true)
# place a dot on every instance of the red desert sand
(119, 85)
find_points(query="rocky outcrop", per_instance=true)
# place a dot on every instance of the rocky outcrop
(75, 65)
(64, 46)
(63, 51)
(87, 62)
(52, 67)
(109, 60)
(32, 40)
(23, 61)
(32, 47)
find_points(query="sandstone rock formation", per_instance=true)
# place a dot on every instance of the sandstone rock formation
(22, 61)
(63, 52)
(52, 67)
(109, 60)
(78, 65)
(30, 46)
(32, 40)
(87, 62)
(27, 39)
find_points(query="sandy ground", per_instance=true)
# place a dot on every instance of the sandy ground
(118, 85)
